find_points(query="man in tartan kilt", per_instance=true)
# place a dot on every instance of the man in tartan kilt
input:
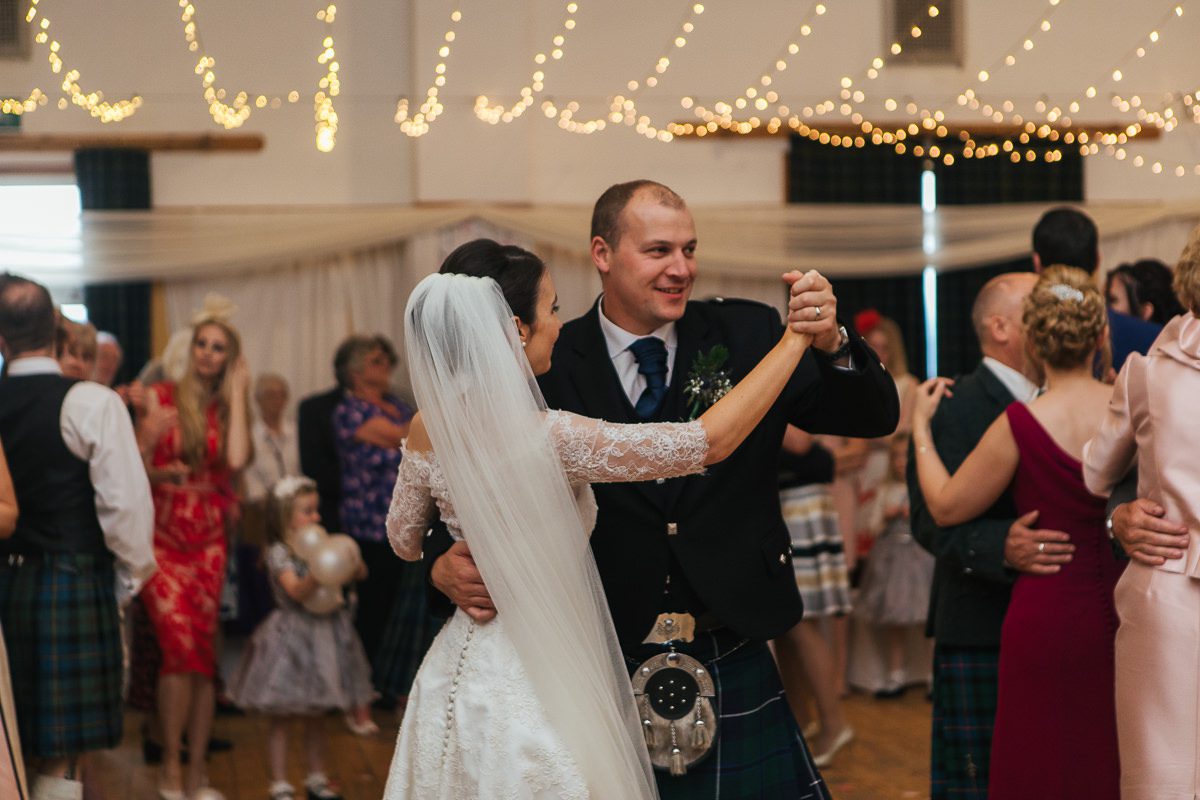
(82, 539)
(698, 565)
(978, 560)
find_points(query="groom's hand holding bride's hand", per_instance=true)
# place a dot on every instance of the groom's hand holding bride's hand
(812, 309)
(455, 575)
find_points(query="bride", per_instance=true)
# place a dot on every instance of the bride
(536, 703)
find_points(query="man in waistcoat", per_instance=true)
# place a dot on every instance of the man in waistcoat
(82, 544)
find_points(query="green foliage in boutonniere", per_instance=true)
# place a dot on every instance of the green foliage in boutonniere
(707, 382)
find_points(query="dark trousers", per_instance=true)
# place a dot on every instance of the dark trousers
(377, 594)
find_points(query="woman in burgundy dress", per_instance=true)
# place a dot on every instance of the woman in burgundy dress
(1055, 733)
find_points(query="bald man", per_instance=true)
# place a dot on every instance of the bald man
(978, 560)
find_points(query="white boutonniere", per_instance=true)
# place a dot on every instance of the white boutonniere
(707, 382)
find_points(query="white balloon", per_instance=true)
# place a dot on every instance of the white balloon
(351, 546)
(306, 541)
(331, 564)
(324, 599)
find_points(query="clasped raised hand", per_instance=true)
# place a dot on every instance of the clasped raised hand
(812, 309)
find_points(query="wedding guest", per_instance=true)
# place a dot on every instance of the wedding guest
(317, 439)
(661, 549)
(82, 544)
(370, 423)
(975, 561)
(1150, 423)
(276, 454)
(1055, 733)
(109, 357)
(804, 654)
(76, 346)
(12, 764)
(1067, 236)
(1143, 290)
(191, 466)
(894, 595)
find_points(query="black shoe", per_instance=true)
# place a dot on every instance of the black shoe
(152, 752)
(385, 703)
(216, 745)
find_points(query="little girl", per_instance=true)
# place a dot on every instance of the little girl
(299, 663)
(895, 586)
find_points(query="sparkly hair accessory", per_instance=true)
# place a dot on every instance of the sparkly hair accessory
(215, 309)
(291, 486)
(1065, 293)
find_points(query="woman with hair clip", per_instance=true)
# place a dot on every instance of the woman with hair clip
(191, 465)
(536, 702)
(1055, 731)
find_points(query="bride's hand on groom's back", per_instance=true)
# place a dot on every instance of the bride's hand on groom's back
(455, 575)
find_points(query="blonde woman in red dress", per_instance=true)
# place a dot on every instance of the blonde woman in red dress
(191, 466)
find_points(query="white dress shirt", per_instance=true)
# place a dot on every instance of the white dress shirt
(276, 455)
(1017, 384)
(95, 427)
(617, 340)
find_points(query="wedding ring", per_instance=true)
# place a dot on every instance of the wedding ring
(816, 312)
(1041, 547)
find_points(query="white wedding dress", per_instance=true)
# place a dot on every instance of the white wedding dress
(474, 727)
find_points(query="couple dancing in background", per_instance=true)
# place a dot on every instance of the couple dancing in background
(694, 570)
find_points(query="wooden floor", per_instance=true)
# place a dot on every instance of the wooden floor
(889, 758)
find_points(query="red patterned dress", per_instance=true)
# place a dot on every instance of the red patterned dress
(183, 597)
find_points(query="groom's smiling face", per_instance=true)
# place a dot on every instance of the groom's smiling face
(648, 275)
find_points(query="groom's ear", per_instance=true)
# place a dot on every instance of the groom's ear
(601, 254)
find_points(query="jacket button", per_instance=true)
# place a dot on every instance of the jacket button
(660, 481)
(783, 558)
(672, 529)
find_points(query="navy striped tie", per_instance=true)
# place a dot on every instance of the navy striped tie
(651, 356)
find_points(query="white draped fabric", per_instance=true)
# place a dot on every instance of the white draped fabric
(305, 277)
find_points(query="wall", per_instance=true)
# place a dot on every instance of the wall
(387, 47)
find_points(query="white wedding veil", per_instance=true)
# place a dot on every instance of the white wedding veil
(487, 423)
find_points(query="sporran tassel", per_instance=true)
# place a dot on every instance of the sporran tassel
(677, 766)
(700, 734)
(648, 729)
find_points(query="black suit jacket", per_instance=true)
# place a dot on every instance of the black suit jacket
(319, 458)
(971, 584)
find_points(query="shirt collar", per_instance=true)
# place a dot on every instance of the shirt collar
(1020, 387)
(34, 365)
(617, 339)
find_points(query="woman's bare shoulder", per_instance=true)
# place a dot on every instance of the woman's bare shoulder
(418, 436)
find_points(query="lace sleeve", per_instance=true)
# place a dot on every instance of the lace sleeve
(412, 506)
(595, 451)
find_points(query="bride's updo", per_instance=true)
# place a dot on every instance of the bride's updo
(518, 271)
(1064, 318)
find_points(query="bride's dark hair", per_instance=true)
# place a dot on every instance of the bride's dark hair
(518, 271)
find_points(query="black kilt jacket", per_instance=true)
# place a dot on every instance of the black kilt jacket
(727, 534)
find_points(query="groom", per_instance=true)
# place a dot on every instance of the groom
(710, 549)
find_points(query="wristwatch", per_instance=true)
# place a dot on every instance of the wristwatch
(843, 348)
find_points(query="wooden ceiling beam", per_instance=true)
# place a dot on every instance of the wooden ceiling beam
(196, 142)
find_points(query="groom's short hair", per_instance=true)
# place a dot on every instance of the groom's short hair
(606, 214)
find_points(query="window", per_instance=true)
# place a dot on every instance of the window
(14, 30)
(940, 24)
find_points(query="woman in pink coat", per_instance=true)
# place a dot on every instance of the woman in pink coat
(1152, 421)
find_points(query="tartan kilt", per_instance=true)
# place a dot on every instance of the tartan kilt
(965, 684)
(759, 751)
(409, 632)
(61, 627)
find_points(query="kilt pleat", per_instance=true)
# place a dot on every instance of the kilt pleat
(965, 684)
(759, 751)
(62, 631)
